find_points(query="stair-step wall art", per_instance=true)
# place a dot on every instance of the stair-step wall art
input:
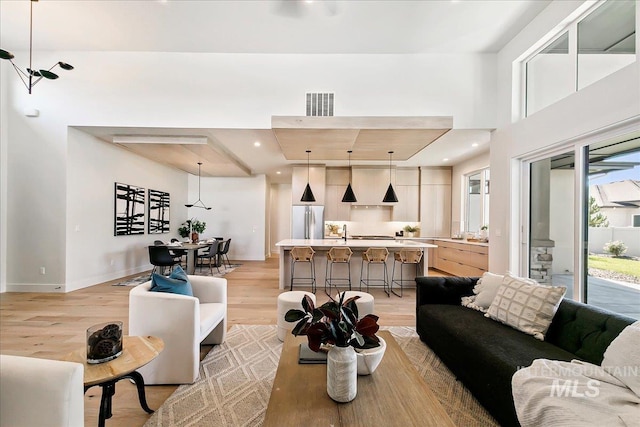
(158, 212)
(129, 210)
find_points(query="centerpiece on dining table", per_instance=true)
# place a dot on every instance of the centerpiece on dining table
(336, 328)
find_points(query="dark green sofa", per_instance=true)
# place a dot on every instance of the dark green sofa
(484, 354)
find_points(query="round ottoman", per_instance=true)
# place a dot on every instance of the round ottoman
(287, 301)
(364, 303)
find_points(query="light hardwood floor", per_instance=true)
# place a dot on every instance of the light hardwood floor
(52, 325)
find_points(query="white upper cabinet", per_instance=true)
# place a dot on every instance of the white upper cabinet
(435, 202)
(408, 191)
(317, 180)
(337, 181)
(370, 184)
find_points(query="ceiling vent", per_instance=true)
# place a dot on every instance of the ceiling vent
(320, 104)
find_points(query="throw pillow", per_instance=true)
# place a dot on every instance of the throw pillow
(488, 289)
(526, 305)
(176, 283)
(622, 357)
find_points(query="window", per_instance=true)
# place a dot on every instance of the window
(477, 200)
(597, 44)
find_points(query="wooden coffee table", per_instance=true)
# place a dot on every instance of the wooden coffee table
(394, 395)
(136, 352)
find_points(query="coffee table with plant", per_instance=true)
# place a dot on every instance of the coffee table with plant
(335, 326)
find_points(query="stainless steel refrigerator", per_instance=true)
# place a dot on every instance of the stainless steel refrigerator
(307, 222)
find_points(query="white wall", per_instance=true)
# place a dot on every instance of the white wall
(94, 254)
(238, 212)
(4, 140)
(200, 90)
(280, 214)
(600, 105)
(458, 189)
(630, 236)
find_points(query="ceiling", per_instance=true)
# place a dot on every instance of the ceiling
(279, 26)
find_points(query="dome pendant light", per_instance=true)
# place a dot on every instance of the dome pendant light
(307, 196)
(200, 205)
(390, 195)
(349, 196)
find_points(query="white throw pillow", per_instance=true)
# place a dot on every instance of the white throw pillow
(487, 292)
(622, 357)
(526, 305)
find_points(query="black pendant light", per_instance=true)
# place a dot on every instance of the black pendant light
(200, 205)
(390, 195)
(28, 76)
(349, 196)
(307, 196)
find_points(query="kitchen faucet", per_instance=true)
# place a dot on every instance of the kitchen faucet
(344, 232)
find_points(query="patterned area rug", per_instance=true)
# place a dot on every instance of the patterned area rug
(135, 281)
(236, 377)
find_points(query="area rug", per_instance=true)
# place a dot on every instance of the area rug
(135, 281)
(236, 377)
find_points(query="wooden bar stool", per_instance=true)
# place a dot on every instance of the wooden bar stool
(337, 255)
(303, 254)
(375, 256)
(404, 256)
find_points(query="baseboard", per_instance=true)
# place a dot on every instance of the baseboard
(35, 287)
(95, 280)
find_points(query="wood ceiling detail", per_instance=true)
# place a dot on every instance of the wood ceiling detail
(370, 138)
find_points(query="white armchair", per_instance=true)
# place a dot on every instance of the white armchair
(183, 322)
(40, 392)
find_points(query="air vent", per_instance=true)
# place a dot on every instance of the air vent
(320, 104)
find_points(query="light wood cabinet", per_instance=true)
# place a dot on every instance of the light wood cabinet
(370, 184)
(334, 209)
(461, 259)
(408, 206)
(317, 180)
(435, 202)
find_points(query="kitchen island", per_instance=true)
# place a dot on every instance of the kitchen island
(322, 246)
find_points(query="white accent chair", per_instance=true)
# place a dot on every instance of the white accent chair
(41, 392)
(183, 322)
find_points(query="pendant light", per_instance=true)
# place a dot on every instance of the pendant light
(349, 197)
(390, 195)
(201, 205)
(307, 196)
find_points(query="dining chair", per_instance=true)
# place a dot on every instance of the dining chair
(223, 251)
(159, 256)
(210, 253)
(177, 254)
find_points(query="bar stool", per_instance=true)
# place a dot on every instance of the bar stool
(404, 256)
(375, 256)
(303, 254)
(337, 255)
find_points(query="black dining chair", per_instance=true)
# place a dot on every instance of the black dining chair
(158, 242)
(210, 253)
(223, 250)
(177, 254)
(159, 256)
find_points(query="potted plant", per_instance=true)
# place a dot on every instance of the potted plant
(333, 229)
(335, 324)
(197, 228)
(185, 229)
(411, 230)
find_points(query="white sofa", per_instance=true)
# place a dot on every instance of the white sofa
(183, 322)
(40, 392)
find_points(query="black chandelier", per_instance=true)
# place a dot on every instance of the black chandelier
(31, 77)
(198, 203)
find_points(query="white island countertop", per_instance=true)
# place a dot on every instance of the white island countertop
(353, 243)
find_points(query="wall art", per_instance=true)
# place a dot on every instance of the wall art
(129, 210)
(158, 212)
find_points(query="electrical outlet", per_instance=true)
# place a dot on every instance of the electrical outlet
(42, 270)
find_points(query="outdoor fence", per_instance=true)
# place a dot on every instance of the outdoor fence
(630, 236)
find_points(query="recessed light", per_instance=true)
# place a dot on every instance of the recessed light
(256, 144)
(475, 144)
(278, 172)
(445, 159)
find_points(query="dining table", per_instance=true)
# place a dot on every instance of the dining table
(192, 253)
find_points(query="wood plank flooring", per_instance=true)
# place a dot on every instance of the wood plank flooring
(52, 325)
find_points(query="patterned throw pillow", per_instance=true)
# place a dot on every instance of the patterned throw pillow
(526, 305)
(484, 292)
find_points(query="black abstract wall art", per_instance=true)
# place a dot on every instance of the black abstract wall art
(129, 210)
(158, 212)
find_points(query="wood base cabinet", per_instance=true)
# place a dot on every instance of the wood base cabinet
(461, 258)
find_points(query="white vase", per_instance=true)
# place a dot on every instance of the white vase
(342, 374)
(369, 359)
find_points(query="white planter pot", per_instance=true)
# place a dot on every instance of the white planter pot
(369, 359)
(342, 374)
